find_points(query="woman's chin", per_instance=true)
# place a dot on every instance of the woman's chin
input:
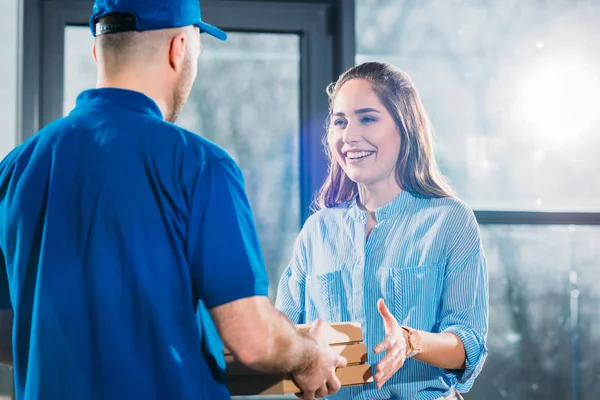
(360, 178)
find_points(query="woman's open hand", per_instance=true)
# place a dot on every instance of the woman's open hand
(394, 343)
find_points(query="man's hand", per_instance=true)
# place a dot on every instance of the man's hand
(394, 343)
(319, 379)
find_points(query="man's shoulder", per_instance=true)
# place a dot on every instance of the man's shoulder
(22, 152)
(204, 148)
(159, 132)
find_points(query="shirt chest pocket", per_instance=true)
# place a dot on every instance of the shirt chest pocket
(329, 295)
(417, 294)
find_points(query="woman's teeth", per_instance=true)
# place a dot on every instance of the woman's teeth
(354, 155)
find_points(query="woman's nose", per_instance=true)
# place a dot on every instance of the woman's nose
(351, 134)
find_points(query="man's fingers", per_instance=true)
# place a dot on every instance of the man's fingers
(316, 328)
(333, 385)
(341, 362)
(306, 395)
(322, 392)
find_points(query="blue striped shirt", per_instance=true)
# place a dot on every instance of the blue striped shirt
(424, 258)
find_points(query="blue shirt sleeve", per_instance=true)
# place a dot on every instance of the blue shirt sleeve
(290, 292)
(464, 310)
(226, 260)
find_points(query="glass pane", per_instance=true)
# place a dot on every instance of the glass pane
(246, 99)
(8, 76)
(511, 88)
(80, 68)
(8, 118)
(544, 313)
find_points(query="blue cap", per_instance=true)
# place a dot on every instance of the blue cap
(147, 15)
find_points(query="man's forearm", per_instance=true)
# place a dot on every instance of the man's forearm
(287, 350)
(263, 338)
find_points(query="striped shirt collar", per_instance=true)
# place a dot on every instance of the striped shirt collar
(396, 206)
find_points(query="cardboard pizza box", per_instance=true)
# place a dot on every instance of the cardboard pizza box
(355, 353)
(249, 385)
(335, 333)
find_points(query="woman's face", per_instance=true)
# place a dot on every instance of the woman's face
(363, 136)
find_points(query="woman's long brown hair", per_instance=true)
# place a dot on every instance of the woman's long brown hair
(416, 169)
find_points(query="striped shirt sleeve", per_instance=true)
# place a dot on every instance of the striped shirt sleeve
(290, 291)
(464, 309)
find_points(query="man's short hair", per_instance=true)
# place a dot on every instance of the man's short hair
(118, 33)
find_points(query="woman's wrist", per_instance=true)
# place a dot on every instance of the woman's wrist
(412, 337)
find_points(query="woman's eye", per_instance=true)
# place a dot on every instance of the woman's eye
(366, 120)
(339, 122)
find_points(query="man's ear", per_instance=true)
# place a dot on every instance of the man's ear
(177, 51)
(94, 52)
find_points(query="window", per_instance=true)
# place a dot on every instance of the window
(511, 88)
(247, 99)
(9, 32)
(8, 76)
(544, 314)
(80, 68)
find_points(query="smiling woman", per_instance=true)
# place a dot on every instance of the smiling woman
(386, 110)
(374, 158)
(391, 247)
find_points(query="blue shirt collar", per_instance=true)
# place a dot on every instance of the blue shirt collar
(120, 98)
(396, 206)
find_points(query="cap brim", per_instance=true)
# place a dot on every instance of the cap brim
(211, 30)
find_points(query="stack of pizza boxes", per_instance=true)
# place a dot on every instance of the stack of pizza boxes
(345, 338)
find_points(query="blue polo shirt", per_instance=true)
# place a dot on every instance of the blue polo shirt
(119, 231)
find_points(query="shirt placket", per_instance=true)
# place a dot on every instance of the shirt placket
(364, 271)
(358, 272)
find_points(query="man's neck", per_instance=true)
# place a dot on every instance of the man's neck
(135, 84)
